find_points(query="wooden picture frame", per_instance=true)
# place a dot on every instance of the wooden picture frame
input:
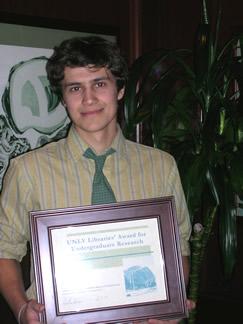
(109, 263)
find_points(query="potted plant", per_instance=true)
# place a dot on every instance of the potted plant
(190, 104)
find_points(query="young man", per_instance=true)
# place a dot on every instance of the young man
(89, 74)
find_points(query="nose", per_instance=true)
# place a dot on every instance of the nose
(89, 96)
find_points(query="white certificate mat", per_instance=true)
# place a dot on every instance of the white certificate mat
(107, 265)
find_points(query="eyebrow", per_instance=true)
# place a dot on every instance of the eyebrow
(77, 83)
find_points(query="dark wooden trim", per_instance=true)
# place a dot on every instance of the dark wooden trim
(135, 39)
(54, 23)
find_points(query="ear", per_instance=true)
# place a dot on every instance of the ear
(120, 93)
(63, 103)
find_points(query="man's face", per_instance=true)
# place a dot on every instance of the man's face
(90, 95)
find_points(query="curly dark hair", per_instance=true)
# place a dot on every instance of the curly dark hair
(82, 52)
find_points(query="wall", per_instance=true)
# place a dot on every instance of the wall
(154, 23)
(172, 24)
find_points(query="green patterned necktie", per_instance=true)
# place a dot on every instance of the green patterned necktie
(102, 192)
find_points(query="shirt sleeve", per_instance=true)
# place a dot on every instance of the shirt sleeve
(14, 206)
(184, 223)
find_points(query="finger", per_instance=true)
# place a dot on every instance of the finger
(154, 321)
(190, 304)
(33, 304)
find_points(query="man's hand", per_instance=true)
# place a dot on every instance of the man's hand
(154, 321)
(30, 313)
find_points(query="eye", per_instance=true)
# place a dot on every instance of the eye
(74, 89)
(100, 84)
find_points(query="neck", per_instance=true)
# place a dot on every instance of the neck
(99, 141)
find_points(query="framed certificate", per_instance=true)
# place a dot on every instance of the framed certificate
(109, 263)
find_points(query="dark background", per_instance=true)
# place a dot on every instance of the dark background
(142, 25)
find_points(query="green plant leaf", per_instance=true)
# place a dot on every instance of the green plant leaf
(192, 108)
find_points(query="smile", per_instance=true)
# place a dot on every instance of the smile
(92, 112)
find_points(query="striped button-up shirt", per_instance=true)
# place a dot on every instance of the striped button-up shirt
(58, 175)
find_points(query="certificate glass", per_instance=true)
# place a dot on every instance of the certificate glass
(108, 263)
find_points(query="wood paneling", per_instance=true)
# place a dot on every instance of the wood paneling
(141, 23)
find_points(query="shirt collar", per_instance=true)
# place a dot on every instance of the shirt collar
(77, 146)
